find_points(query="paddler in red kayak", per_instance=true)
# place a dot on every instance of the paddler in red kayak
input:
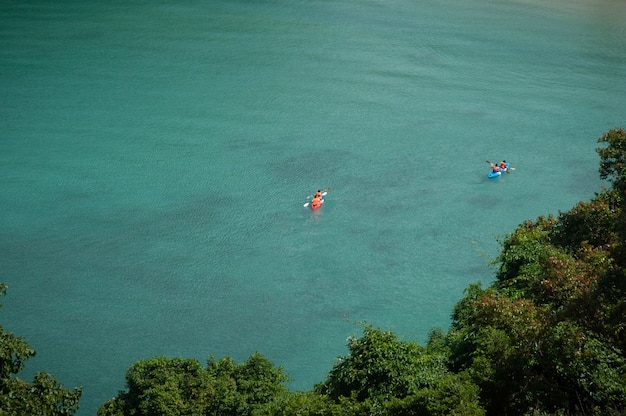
(318, 200)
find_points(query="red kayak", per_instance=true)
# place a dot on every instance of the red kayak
(317, 202)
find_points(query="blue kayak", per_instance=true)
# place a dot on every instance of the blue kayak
(493, 174)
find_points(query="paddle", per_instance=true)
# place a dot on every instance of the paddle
(323, 194)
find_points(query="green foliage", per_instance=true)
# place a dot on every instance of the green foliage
(452, 395)
(437, 342)
(497, 341)
(160, 386)
(591, 367)
(613, 157)
(14, 351)
(181, 387)
(304, 404)
(553, 277)
(591, 222)
(44, 396)
(243, 387)
(613, 167)
(386, 376)
(524, 248)
(379, 365)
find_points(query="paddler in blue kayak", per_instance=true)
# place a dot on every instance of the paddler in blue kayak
(500, 167)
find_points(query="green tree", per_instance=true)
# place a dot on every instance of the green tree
(496, 340)
(246, 386)
(162, 386)
(613, 167)
(530, 346)
(613, 157)
(380, 365)
(305, 403)
(43, 396)
(386, 376)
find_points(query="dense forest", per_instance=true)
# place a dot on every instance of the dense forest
(547, 337)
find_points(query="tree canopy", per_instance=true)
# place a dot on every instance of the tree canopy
(181, 387)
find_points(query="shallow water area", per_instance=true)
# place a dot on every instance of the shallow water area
(155, 159)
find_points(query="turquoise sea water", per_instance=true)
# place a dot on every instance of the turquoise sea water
(155, 157)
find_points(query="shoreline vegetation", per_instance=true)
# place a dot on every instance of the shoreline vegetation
(547, 337)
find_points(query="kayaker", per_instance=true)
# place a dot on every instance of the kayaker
(318, 194)
(495, 168)
(316, 202)
(503, 165)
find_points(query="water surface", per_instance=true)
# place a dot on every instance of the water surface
(155, 158)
